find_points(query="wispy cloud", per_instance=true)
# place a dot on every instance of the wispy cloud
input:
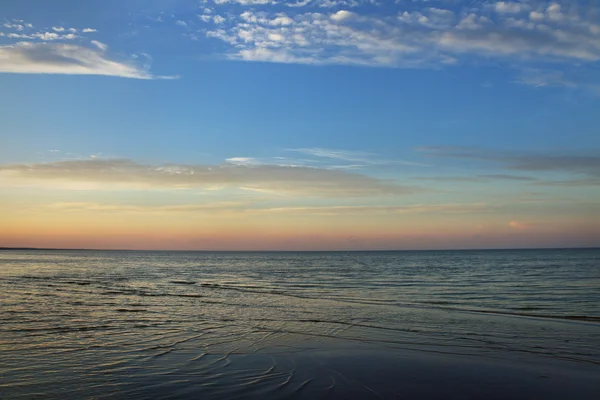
(467, 179)
(252, 209)
(129, 208)
(358, 158)
(506, 177)
(411, 209)
(479, 178)
(335, 154)
(62, 50)
(70, 59)
(574, 80)
(571, 182)
(244, 161)
(99, 45)
(122, 173)
(587, 163)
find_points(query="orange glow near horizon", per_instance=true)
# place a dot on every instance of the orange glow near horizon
(248, 231)
(234, 219)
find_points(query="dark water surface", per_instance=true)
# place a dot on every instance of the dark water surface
(452, 324)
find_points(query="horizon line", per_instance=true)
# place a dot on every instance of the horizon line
(297, 251)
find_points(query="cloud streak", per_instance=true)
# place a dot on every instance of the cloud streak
(479, 178)
(583, 163)
(358, 210)
(251, 209)
(580, 78)
(106, 173)
(62, 51)
(359, 158)
(66, 59)
(111, 208)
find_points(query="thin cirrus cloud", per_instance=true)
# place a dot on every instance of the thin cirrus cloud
(578, 77)
(62, 58)
(128, 208)
(479, 178)
(363, 158)
(62, 51)
(251, 209)
(458, 208)
(583, 169)
(325, 158)
(107, 173)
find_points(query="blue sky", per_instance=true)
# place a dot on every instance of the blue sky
(410, 103)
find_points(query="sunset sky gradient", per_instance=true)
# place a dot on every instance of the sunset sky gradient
(302, 125)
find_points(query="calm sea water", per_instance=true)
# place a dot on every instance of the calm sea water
(158, 324)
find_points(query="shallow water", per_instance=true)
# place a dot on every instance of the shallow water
(225, 325)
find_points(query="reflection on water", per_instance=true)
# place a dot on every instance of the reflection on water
(225, 325)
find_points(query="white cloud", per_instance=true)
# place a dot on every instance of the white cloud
(357, 158)
(342, 15)
(536, 16)
(99, 45)
(300, 3)
(416, 36)
(296, 4)
(47, 36)
(510, 7)
(473, 22)
(55, 58)
(15, 26)
(243, 161)
(44, 36)
(218, 19)
(247, 2)
(46, 52)
(338, 3)
(55, 33)
(310, 39)
(281, 20)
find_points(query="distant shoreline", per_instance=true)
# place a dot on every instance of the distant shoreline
(297, 251)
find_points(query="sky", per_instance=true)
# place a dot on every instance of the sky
(299, 125)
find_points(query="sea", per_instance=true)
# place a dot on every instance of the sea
(402, 324)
